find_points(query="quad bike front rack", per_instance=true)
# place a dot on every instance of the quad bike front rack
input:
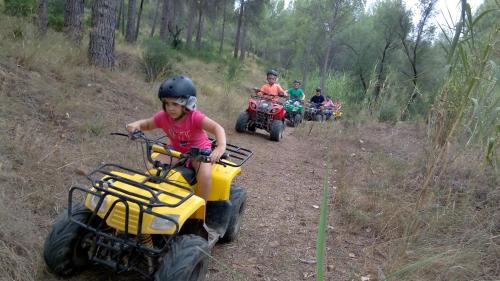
(118, 244)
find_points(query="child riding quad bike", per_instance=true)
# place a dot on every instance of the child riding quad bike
(327, 112)
(263, 112)
(149, 222)
(313, 112)
(331, 108)
(294, 112)
(337, 114)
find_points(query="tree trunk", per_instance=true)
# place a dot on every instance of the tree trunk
(120, 14)
(199, 32)
(213, 16)
(123, 18)
(324, 68)
(305, 66)
(155, 19)
(73, 20)
(102, 33)
(130, 34)
(243, 47)
(189, 31)
(136, 34)
(378, 82)
(165, 20)
(221, 47)
(412, 55)
(43, 17)
(363, 80)
(172, 24)
(238, 30)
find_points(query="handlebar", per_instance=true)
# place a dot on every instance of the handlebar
(279, 99)
(195, 153)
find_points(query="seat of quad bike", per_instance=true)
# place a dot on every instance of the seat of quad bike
(187, 173)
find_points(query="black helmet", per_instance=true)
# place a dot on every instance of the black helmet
(318, 89)
(272, 72)
(177, 87)
(296, 81)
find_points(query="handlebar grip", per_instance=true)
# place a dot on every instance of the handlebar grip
(119, 134)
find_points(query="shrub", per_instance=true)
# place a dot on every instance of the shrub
(56, 14)
(389, 112)
(234, 71)
(156, 59)
(20, 7)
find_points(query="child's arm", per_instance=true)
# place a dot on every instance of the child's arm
(215, 129)
(141, 125)
(282, 92)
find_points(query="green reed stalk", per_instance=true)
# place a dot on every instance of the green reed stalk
(321, 241)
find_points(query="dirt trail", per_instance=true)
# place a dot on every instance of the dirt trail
(284, 182)
(278, 236)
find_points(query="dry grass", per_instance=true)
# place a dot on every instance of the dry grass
(55, 117)
(56, 113)
(454, 238)
(17, 261)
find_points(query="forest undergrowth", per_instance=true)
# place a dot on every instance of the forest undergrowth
(424, 202)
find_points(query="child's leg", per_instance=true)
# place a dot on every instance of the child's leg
(204, 178)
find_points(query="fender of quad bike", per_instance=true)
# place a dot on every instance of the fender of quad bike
(192, 208)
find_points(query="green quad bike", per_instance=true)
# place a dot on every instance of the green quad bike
(294, 112)
(149, 222)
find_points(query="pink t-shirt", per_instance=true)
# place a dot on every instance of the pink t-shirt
(184, 134)
(328, 103)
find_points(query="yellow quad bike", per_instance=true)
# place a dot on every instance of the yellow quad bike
(149, 222)
(337, 114)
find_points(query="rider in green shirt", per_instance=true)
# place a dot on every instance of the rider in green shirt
(295, 92)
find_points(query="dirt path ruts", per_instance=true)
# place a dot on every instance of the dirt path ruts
(284, 184)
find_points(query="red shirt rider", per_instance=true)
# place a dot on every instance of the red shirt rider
(271, 88)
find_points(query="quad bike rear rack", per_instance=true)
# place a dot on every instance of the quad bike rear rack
(237, 156)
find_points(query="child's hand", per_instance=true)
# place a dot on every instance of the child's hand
(217, 154)
(132, 127)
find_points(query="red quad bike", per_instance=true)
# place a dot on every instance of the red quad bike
(263, 113)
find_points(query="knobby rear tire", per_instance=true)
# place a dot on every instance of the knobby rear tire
(238, 198)
(242, 122)
(62, 250)
(276, 130)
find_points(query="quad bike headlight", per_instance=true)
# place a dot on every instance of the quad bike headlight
(163, 224)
